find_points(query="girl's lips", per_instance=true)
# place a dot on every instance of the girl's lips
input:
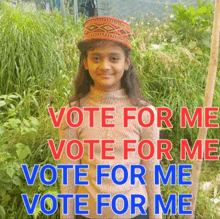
(105, 75)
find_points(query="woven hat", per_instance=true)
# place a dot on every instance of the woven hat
(107, 28)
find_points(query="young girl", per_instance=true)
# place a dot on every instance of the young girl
(107, 78)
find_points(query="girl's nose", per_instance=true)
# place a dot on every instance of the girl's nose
(105, 64)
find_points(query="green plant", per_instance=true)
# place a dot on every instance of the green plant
(20, 144)
(19, 106)
(191, 23)
(28, 48)
(172, 73)
(16, 138)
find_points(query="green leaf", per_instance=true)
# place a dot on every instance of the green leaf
(6, 198)
(176, 8)
(48, 200)
(16, 180)
(35, 101)
(32, 132)
(37, 211)
(3, 97)
(191, 11)
(207, 42)
(34, 121)
(13, 96)
(201, 11)
(24, 130)
(22, 151)
(2, 103)
(12, 123)
(2, 191)
(2, 212)
(12, 106)
(2, 131)
(8, 186)
(4, 177)
(10, 171)
(26, 122)
(192, 44)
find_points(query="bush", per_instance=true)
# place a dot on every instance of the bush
(193, 24)
(172, 74)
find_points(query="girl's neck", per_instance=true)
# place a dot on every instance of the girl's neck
(114, 87)
(106, 97)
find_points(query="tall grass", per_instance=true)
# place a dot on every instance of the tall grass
(173, 75)
(28, 48)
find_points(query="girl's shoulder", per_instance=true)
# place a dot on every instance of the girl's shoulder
(144, 103)
(74, 103)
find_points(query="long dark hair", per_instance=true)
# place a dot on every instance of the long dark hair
(129, 80)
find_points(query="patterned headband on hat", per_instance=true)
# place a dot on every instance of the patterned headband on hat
(107, 28)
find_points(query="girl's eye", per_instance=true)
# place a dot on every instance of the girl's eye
(114, 59)
(96, 59)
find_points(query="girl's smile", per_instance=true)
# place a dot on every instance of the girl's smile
(106, 65)
(105, 76)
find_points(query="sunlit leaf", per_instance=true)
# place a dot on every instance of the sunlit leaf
(201, 11)
(2, 212)
(35, 101)
(48, 200)
(1, 130)
(26, 122)
(10, 171)
(34, 121)
(37, 211)
(13, 96)
(191, 10)
(16, 180)
(2, 103)
(22, 151)
(3, 97)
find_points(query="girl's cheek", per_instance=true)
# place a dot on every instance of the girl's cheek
(96, 67)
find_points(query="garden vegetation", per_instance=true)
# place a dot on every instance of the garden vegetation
(38, 65)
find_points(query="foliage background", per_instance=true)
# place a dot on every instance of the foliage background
(38, 64)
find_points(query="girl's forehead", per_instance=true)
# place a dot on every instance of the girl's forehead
(106, 47)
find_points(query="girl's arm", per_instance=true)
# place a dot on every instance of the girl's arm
(151, 133)
(65, 132)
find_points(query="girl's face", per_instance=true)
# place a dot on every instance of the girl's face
(106, 65)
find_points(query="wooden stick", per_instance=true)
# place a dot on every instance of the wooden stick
(62, 8)
(209, 91)
(75, 11)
